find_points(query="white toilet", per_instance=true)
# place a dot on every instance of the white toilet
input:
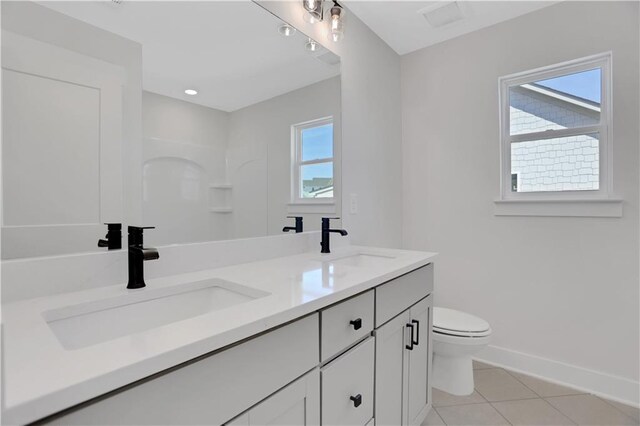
(456, 337)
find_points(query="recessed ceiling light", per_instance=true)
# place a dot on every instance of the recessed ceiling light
(191, 92)
(311, 45)
(286, 30)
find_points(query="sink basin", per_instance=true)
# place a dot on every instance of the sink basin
(87, 324)
(357, 259)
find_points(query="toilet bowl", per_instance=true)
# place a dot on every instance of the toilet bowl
(457, 336)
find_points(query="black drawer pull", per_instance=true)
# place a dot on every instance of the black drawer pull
(356, 323)
(357, 400)
(417, 342)
(410, 345)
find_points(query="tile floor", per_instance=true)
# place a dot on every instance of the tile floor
(504, 397)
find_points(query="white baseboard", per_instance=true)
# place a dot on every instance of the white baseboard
(595, 382)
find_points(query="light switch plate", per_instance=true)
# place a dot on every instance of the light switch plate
(353, 204)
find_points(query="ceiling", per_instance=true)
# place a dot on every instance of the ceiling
(229, 51)
(402, 27)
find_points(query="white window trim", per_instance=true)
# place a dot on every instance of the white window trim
(559, 203)
(297, 163)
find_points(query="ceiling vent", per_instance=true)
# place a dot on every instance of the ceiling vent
(442, 13)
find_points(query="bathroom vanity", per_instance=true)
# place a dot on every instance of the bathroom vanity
(342, 338)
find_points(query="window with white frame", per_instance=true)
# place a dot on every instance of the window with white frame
(555, 125)
(313, 161)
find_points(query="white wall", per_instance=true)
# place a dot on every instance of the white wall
(249, 148)
(184, 150)
(40, 23)
(263, 131)
(561, 293)
(371, 128)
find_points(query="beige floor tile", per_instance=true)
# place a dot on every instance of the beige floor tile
(497, 385)
(590, 410)
(444, 399)
(433, 419)
(477, 365)
(471, 415)
(531, 412)
(630, 411)
(544, 388)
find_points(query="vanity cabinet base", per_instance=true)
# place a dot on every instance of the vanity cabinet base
(363, 375)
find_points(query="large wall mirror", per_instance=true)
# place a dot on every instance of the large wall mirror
(239, 125)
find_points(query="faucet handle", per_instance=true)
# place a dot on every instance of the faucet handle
(113, 239)
(136, 233)
(140, 228)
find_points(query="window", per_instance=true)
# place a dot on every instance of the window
(555, 131)
(313, 162)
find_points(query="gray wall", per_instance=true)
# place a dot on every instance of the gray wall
(555, 289)
(371, 128)
(262, 190)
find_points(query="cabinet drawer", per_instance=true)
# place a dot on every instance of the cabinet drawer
(346, 382)
(345, 323)
(397, 295)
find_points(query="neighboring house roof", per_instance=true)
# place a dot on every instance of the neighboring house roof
(318, 181)
(562, 96)
(321, 191)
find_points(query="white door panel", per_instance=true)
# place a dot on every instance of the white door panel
(62, 148)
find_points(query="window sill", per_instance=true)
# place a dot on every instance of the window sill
(312, 207)
(559, 208)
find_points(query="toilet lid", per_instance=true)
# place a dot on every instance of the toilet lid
(450, 321)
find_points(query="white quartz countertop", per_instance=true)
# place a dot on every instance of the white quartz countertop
(41, 377)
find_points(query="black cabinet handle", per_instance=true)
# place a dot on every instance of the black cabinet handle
(357, 400)
(417, 341)
(410, 345)
(356, 323)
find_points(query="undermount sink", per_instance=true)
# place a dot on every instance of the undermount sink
(357, 259)
(98, 321)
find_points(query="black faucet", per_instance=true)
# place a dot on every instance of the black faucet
(325, 234)
(297, 228)
(137, 255)
(113, 238)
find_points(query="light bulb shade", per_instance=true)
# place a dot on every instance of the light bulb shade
(315, 10)
(307, 17)
(337, 23)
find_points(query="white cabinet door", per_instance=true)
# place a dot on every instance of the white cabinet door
(62, 148)
(419, 365)
(296, 404)
(391, 358)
